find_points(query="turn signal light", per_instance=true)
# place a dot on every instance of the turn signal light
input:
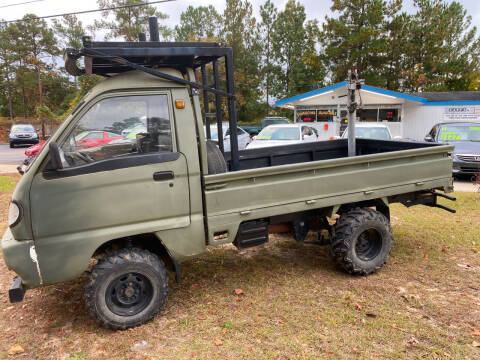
(180, 104)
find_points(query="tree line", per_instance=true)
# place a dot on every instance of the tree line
(277, 54)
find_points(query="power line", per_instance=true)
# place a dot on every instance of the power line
(88, 11)
(22, 3)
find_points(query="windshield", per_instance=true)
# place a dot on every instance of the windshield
(452, 133)
(22, 128)
(267, 122)
(81, 135)
(371, 133)
(279, 133)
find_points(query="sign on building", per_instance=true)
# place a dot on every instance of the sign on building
(462, 113)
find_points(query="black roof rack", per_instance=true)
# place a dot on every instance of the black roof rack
(107, 58)
(149, 54)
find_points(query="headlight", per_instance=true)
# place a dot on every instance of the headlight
(13, 214)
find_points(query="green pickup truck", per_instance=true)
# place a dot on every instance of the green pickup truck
(132, 210)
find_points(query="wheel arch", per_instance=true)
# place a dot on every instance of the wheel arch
(147, 241)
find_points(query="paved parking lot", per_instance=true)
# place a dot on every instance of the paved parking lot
(12, 156)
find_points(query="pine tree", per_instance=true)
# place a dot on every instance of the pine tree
(269, 13)
(128, 22)
(241, 33)
(358, 38)
(442, 51)
(198, 23)
(294, 52)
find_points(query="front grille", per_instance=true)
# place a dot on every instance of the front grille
(470, 158)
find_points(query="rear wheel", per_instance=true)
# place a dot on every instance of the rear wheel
(127, 288)
(361, 241)
(12, 145)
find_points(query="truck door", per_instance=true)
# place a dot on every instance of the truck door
(135, 184)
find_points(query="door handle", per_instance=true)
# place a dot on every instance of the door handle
(163, 175)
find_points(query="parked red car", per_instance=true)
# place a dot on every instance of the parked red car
(34, 149)
(86, 139)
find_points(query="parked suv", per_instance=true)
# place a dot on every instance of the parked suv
(23, 134)
(466, 138)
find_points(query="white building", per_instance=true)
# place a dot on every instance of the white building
(410, 116)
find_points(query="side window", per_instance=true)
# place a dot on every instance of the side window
(240, 131)
(95, 135)
(135, 125)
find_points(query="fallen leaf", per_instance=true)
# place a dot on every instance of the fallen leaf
(444, 250)
(475, 250)
(425, 256)
(239, 292)
(358, 307)
(475, 332)
(218, 342)
(412, 341)
(372, 315)
(15, 349)
(476, 344)
(224, 330)
(202, 317)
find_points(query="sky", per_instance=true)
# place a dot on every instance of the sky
(315, 9)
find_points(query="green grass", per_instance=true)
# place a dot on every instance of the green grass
(7, 183)
(423, 304)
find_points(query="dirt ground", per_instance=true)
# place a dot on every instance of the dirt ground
(293, 303)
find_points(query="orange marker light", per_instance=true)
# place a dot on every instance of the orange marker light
(180, 104)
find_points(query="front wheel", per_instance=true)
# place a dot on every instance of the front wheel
(127, 288)
(361, 241)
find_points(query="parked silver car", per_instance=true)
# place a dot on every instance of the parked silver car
(243, 137)
(22, 134)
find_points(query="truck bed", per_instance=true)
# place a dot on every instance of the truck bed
(320, 150)
(291, 179)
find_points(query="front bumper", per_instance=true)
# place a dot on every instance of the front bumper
(465, 168)
(23, 141)
(18, 257)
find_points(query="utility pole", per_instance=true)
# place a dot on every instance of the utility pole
(354, 84)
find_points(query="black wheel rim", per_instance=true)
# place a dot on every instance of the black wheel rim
(129, 294)
(369, 245)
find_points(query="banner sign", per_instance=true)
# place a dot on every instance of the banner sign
(462, 113)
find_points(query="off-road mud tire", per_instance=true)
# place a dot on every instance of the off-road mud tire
(215, 159)
(345, 239)
(115, 265)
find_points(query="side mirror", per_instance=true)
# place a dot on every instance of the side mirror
(55, 159)
(428, 138)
